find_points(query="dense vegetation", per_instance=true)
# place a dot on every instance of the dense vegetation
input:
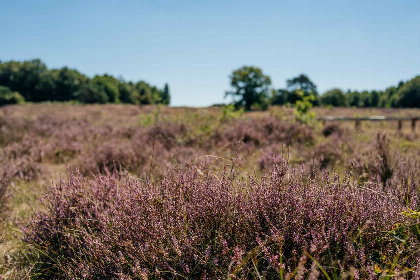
(251, 90)
(33, 81)
(151, 192)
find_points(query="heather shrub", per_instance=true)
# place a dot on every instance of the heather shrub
(376, 160)
(30, 146)
(405, 179)
(382, 164)
(65, 151)
(24, 168)
(270, 157)
(284, 132)
(12, 129)
(113, 155)
(327, 154)
(199, 225)
(263, 131)
(331, 129)
(136, 153)
(167, 134)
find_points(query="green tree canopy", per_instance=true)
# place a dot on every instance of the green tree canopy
(36, 83)
(301, 82)
(251, 87)
(109, 85)
(334, 97)
(92, 93)
(166, 97)
(22, 77)
(408, 95)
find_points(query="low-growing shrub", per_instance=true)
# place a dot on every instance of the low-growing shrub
(24, 168)
(145, 147)
(30, 146)
(376, 160)
(12, 129)
(270, 157)
(166, 134)
(113, 155)
(263, 131)
(8, 97)
(195, 225)
(303, 107)
(327, 153)
(231, 113)
(331, 129)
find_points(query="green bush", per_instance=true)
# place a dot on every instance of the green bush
(303, 107)
(230, 113)
(10, 97)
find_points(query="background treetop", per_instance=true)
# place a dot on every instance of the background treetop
(250, 87)
(34, 82)
(301, 82)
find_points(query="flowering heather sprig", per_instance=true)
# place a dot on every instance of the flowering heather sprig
(199, 225)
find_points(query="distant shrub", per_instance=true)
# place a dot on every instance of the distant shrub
(30, 146)
(231, 113)
(24, 168)
(145, 120)
(327, 153)
(7, 96)
(166, 134)
(303, 108)
(195, 226)
(375, 160)
(135, 154)
(12, 129)
(331, 129)
(113, 155)
(270, 157)
(263, 131)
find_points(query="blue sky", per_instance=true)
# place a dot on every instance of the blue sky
(195, 45)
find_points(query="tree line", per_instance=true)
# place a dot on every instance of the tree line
(32, 81)
(252, 90)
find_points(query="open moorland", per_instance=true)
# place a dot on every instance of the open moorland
(152, 192)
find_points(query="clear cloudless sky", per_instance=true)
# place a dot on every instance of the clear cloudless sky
(195, 45)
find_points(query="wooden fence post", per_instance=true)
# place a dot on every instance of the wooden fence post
(357, 124)
(413, 124)
(399, 125)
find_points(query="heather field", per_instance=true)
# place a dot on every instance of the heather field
(153, 192)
